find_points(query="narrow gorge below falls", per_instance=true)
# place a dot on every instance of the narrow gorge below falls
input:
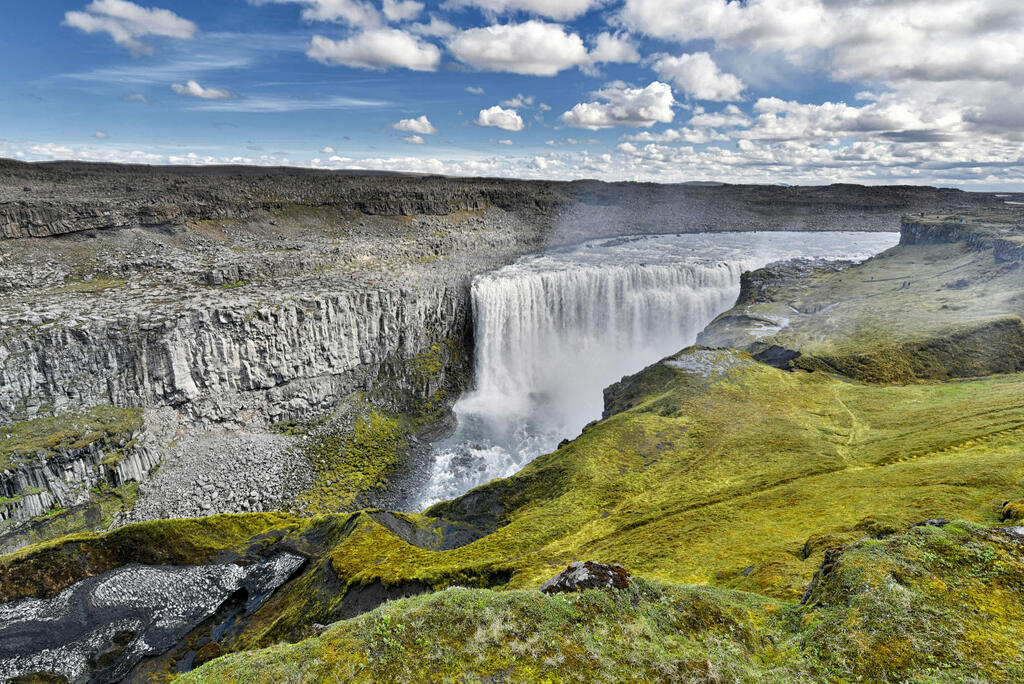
(553, 330)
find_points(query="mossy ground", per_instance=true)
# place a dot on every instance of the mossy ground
(70, 432)
(97, 513)
(349, 464)
(927, 605)
(706, 477)
(710, 470)
(914, 312)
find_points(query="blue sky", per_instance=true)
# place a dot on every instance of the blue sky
(794, 91)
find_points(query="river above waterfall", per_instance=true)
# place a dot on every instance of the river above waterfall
(553, 330)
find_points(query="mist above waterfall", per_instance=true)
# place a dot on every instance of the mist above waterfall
(552, 331)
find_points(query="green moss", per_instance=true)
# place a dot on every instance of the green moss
(1014, 510)
(67, 432)
(915, 312)
(43, 569)
(662, 632)
(927, 605)
(351, 464)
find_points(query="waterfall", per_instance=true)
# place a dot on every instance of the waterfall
(548, 342)
(552, 331)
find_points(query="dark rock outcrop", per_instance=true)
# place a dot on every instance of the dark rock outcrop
(587, 575)
(100, 628)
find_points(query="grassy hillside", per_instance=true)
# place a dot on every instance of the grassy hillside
(731, 487)
(927, 605)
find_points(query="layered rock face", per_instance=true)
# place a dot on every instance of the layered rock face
(241, 361)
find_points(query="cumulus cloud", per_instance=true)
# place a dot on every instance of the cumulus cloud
(415, 139)
(438, 28)
(614, 47)
(559, 10)
(474, 90)
(699, 77)
(125, 22)
(328, 150)
(377, 49)
(622, 106)
(909, 39)
(401, 10)
(419, 125)
(507, 119)
(356, 13)
(520, 101)
(533, 47)
(693, 136)
(100, 134)
(193, 89)
(730, 117)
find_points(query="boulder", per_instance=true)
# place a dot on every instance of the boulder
(587, 575)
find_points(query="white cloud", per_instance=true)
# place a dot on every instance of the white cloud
(617, 47)
(555, 9)
(924, 40)
(474, 90)
(328, 150)
(284, 104)
(125, 22)
(971, 163)
(730, 117)
(532, 47)
(193, 89)
(693, 136)
(507, 119)
(505, 142)
(415, 139)
(402, 10)
(100, 134)
(520, 101)
(789, 24)
(419, 125)
(377, 49)
(137, 97)
(355, 13)
(699, 77)
(624, 107)
(438, 28)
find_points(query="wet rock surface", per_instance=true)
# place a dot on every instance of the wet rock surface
(587, 575)
(98, 629)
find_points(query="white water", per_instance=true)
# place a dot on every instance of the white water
(553, 331)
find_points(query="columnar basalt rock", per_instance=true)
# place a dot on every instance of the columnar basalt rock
(241, 362)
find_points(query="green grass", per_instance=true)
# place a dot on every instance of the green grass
(67, 432)
(725, 483)
(351, 464)
(928, 605)
(915, 312)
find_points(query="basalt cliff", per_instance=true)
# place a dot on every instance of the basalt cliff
(267, 353)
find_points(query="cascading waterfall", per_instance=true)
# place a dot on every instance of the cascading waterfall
(553, 331)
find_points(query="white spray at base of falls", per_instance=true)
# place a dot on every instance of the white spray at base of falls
(553, 331)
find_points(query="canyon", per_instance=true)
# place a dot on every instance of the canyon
(223, 369)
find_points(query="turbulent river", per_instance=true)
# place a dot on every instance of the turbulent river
(552, 331)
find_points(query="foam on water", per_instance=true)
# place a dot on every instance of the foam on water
(553, 331)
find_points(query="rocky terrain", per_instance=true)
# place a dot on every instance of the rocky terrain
(283, 345)
(254, 315)
(775, 511)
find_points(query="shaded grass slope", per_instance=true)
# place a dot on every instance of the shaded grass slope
(927, 605)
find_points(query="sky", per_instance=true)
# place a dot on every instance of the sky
(742, 91)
